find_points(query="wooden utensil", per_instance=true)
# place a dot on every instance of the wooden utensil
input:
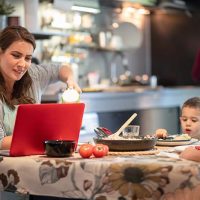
(116, 134)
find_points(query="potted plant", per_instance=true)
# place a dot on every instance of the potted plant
(5, 9)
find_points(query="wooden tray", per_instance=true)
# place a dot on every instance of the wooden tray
(148, 152)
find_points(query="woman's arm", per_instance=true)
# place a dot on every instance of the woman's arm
(6, 142)
(66, 75)
(45, 74)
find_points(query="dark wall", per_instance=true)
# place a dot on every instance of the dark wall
(175, 39)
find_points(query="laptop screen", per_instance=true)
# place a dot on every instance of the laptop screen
(36, 123)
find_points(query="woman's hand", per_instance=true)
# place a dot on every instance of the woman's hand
(72, 84)
(66, 75)
(6, 142)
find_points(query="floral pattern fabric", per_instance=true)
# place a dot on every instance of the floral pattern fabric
(110, 178)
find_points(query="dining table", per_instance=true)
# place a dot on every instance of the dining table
(155, 174)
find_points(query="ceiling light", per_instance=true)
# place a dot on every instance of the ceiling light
(85, 9)
(90, 6)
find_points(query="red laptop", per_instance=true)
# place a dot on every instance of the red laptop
(36, 123)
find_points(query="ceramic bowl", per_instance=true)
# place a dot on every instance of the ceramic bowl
(59, 148)
(139, 144)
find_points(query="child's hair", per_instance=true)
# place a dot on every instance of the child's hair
(193, 102)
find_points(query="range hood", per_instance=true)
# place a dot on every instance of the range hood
(119, 3)
(183, 5)
(190, 5)
(173, 4)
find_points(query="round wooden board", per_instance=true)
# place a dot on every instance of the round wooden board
(147, 152)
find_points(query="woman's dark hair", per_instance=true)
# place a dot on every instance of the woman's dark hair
(8, 36)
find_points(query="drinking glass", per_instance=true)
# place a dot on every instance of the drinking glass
(131, 131)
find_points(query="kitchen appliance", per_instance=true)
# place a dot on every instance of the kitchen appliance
(36, 123)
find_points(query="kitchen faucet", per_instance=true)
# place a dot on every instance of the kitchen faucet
(113, 71)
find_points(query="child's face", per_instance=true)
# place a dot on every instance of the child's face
(190, 121)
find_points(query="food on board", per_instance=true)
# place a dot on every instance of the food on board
(182, 137)
(106, 149)
(98, 150)
(86, 150)
(132, 138)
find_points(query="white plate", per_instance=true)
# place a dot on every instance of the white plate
(175, 142)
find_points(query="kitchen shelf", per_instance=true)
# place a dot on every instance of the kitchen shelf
(47, 35)
(97, 48)
(40, 35)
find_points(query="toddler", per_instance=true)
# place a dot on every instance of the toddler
(190, 119)
(190, 124)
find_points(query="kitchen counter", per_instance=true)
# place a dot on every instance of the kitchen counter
(131, 98)
(156, 107)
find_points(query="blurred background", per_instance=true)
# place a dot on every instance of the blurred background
(127, 55)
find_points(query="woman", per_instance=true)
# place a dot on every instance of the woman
(20, 81)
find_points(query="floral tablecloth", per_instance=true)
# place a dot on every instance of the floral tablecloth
(123, 177)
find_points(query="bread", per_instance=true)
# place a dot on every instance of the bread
(161, 133)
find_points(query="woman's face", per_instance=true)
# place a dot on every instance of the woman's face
(15, 61)
(190, 121)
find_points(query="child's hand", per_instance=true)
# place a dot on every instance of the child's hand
(161, 133)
